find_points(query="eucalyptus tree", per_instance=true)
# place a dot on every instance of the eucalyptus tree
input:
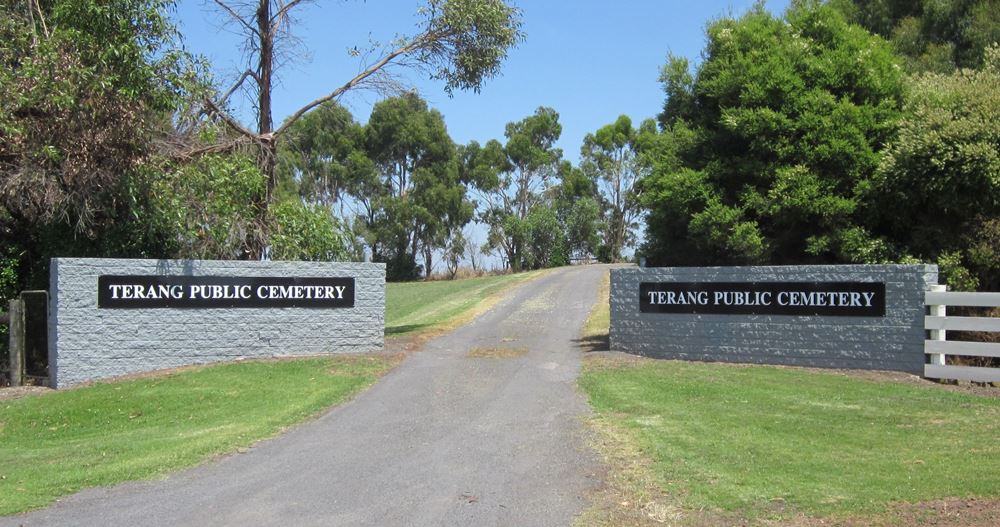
(510, 179)
(323, 157)
(461, 42)
(419, 200)
(612, 157)
(579, 207)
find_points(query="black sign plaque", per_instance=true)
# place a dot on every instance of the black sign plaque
(151, 291)
(846, 299)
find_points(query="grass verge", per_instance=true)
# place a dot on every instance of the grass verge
(58, 443)
(762, 443)
(598, 323)
(419, 307)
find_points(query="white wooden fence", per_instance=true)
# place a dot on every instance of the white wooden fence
(939, 323)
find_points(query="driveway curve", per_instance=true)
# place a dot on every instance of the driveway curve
(481, 428)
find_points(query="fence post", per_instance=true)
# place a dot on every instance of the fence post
(16, 335)
(938, 334)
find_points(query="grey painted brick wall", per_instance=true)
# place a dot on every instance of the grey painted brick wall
(894, 342)
(87, 343)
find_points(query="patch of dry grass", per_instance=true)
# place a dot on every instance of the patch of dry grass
(599, 322)
(631, 495)
(595, 334)
(496, 353)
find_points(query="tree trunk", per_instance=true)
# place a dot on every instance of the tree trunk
(428, 260)
(267, 160)
(265, 67)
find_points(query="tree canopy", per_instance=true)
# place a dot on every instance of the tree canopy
(772, 138)
(511, 178)
(931, 35)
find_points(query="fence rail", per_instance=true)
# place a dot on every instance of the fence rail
(938, 347)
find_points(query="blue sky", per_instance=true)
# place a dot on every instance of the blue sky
(589, 60)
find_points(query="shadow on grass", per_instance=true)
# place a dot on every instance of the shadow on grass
(593, 343)
(399, 330)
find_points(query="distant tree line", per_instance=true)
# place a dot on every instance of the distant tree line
(401, 187)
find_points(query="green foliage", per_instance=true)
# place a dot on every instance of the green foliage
(87, 86)
(454, 251)
(721, 234)
(307, 232)
(955, 274)
(579, 207)
(203, 205)
(9, 288)
(583, 227)
(983, 252)
(933, 35)
(741, 439)
(545, 239)
(465, 41)
(84, 86)
(9, 261)
(419, 198)
(612, 156)
(511, 179)
(773, 139)
(937, 191)
(323, 156)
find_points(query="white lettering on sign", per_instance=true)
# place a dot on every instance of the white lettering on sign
(685, 298)
(141, 292)
(742, 298)
(764, 298)
(760, 298)
(824, 299)
(220, 292)
(319, 292)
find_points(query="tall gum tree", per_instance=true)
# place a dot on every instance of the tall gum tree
(461, 42)
(510, 178)
(419, 200)
(612, 157)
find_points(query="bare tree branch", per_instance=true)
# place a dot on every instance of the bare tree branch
(358, 79)
(247, 73)
(236, 16)
(41, 17)
(283, 12)
(233, 123)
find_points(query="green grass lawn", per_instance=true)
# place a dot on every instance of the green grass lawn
(417, 306)
(760, 441)
(58, 443)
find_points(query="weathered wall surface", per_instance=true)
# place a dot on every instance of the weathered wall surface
(88, 343)
(892, 342)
